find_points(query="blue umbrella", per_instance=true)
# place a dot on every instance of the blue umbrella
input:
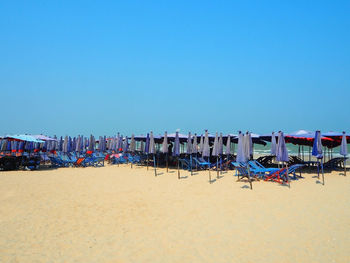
(176, 150)
(317, 151)
(344, 150)
(282, 152)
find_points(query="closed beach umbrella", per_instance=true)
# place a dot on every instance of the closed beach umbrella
(125, 144)
(176, 152)
(189, 144)
(152, 150)
(165, 143)
(189, 149)
(132, 143)
(65, 145)
(215, 152)
(205, 149)
(165, 149)
(317, 151)
(344, 150)
(201, 144)
(195, 144)
(228, 146)
(273, 144)
(147, 148)
(241, 157)
(221, 150)
(282, 152)
(247, 142)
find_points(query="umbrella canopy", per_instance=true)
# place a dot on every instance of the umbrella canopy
(132, 144)
(317, 150)
(44, 138)
(125, 144)
(228, 145)
(92, 143)
(215, 151)
(147, 144)
(194, 144)
(23, 137)
(343, 146)
(221, 145)
(273, 144)
(241, 157)
(152, 145)
(201, 144)
(247, 145)
(189, 144)
(282, 152)
(176, 151)
(165, 143)
(206, 150)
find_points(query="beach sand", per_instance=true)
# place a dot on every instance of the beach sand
(119, 214)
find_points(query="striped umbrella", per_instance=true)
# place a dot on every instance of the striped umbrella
(206, 150)
(176, 152)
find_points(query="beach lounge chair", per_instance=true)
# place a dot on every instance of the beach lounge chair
(242, 171)
(201, 163)
(282, 175)
(334, 163)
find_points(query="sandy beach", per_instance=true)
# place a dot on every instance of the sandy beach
(119, 214)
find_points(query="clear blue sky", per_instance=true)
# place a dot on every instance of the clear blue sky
(81, 67)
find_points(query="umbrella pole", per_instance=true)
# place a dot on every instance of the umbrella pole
(249, 180)
(178, 168)
(344, 166)
(217, 167)
(167, 166)
(318, 169)
(147, 161)
(209, 172)
(322, 171)
(154, 164)
(191, 164)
